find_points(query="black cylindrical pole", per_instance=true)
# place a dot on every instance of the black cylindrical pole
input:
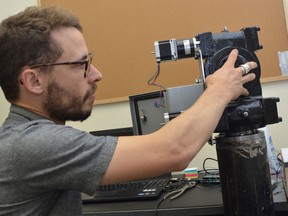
(244, 174)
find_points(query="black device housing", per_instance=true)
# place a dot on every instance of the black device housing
(214, 48)
(241, 147)
(246, 113)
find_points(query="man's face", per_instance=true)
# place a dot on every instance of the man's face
(63, 104)
(70, 95)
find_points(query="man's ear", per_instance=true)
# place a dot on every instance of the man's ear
(32, 81)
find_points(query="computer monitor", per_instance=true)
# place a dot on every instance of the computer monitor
(147, 112)
(127, 131)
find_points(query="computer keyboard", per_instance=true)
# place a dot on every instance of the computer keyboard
(131, 190)
(145, 184)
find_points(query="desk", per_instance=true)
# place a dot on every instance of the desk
(196, 201)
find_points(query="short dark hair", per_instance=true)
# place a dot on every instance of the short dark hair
(25, 39)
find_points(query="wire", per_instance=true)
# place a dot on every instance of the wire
(157, 206)
(152, 81)
(204, 168)
(160, 102)
(154, 77)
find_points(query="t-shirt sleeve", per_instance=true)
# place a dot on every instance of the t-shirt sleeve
(60, 157)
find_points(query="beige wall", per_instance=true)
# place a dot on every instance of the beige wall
(117, 115)
(8, 8)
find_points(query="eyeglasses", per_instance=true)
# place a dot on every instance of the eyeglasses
(87, 64)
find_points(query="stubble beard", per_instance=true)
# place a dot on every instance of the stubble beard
(63, 105)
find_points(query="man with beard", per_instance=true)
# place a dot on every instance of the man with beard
(47, 76)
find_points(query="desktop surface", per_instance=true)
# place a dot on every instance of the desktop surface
(200, 200)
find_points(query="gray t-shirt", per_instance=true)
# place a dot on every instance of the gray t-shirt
(44, 167)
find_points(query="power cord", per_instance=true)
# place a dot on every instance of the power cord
(204, 166)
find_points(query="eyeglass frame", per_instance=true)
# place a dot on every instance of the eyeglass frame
(86, 62)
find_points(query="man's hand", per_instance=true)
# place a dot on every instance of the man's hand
(229, 80)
